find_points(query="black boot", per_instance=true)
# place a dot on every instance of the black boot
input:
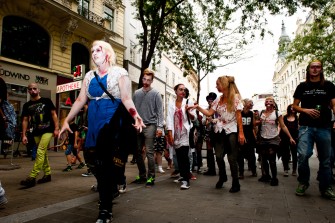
(219, 184)
(235, 186)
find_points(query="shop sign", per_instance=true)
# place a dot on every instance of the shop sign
(12, 74)
(41, 80)
(69, 87)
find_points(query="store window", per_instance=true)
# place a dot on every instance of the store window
(80, 55)
(25, 41)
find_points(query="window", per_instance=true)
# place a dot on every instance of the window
(173, 79)
(132, 52)
(109, 15)
(83, 8)
(25, 41)
(303, 74)
(80, 55)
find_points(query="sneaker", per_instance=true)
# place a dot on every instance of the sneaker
(264, 178)
(67, 169)
(180, 179)
(94, 188)
(3, 201)
(286, 173)
(150, 182)
(209, 173)
(274, 182)
(139, 180)
(175, 174)
(185, 185)
(160, 169)
(123, 188)
(88, 174)
(81, 165)
(329, 194)
(29, 182)
(301, 189)
(44, 179)
(192, 177)
(104, 217)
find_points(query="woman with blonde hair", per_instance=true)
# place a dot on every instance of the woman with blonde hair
(106, 88)
(228, 130)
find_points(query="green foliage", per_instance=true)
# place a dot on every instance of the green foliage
(197, 34)
(317, 40)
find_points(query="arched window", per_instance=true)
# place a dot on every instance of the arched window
(80, 55)
(25, 41)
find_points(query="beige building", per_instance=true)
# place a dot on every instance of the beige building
(43, 40)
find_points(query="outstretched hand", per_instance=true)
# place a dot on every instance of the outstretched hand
(139, 124)
(64, 129)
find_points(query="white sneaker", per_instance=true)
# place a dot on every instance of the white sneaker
(286, 173)
(123, 188)
(160, 169)
(179, 180)
(185, 185)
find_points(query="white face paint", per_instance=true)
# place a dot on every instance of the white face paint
(98, 55)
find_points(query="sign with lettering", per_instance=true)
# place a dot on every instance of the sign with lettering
(41, 80)
(69, 87)
(13, 74)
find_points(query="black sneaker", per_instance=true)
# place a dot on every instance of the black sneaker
(104, 217)
(67, 169)
(264, 178)
(81, 165)
(274, 182)
(29, 182)
(44, 179)
(140, 180)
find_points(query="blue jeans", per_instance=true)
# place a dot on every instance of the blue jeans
(307, 137)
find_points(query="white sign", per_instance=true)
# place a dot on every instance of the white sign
(69, 87)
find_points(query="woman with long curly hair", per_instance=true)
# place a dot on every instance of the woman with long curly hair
(228, 130)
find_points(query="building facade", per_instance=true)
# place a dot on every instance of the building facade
(43, 40)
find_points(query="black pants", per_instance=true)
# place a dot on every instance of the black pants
(268, 157)
(100, 160)
(247, 151)
(183, 162)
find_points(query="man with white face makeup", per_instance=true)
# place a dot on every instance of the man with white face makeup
(312, 99)
(148, 103)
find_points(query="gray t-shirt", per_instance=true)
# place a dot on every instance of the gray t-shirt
(149, 106)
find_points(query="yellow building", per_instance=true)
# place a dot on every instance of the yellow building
(43, 40)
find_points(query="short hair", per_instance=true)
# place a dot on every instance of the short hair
(149, 72)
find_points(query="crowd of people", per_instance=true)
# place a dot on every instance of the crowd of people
(228, 126)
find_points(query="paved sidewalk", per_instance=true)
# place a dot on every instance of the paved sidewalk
(68, 199)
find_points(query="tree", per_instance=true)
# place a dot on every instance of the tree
(159, 18)
(317, 40)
